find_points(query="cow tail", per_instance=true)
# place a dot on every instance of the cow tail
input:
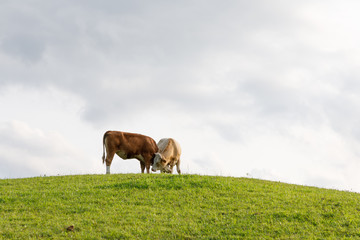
(103, 157)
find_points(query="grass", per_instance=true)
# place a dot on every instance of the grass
(162, 206)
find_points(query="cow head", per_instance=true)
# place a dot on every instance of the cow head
(160, 164)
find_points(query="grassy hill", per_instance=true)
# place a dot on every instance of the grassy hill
(159, 206)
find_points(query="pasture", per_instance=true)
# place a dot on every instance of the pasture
(161, 206)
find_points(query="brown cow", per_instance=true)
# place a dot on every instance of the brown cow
(129, 145)
(168, 156)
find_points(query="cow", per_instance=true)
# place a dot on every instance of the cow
(168, 156)
(127, 146)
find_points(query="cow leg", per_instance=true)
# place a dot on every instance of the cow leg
(147, 165)
(109, 158)
(171, 169)
(178, 167)
(142, 165)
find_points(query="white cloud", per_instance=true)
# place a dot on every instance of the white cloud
(42, 132)
(41, 153)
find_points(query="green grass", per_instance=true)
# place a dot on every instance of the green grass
(160, 206)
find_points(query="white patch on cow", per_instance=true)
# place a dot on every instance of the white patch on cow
(107, 169)
(122, 154)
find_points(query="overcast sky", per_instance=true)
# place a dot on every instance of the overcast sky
(264, 89)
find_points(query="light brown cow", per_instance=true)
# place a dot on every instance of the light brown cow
(168, 156)
(127, 146)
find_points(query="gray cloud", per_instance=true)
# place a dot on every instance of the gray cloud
(26, 47)
(132, 56)
(237, 68)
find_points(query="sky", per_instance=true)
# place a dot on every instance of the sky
(261, 89)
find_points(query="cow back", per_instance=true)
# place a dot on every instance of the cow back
(169, 149)
(131, 143)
